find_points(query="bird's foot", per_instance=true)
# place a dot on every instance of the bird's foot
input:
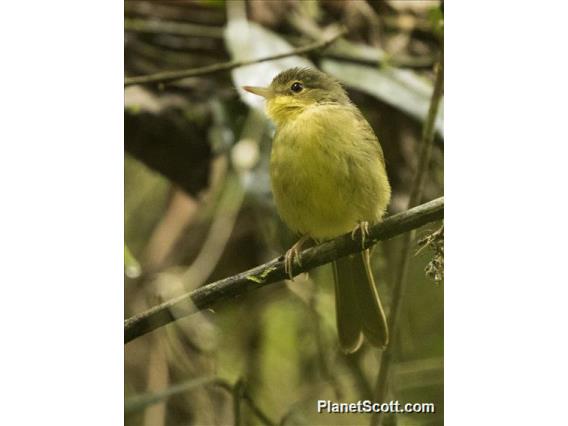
(363, 228)
(293, 254)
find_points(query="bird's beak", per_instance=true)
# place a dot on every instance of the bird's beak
(260, 91)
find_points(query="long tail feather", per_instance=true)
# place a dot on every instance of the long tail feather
(348, 325)
(359, 309)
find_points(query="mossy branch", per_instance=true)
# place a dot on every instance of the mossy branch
(273, 271)
(168, 76)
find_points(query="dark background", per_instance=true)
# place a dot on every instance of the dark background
(198, 208)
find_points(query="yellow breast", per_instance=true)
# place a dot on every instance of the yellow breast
(327, 172)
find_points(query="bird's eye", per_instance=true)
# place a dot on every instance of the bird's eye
(296, 87)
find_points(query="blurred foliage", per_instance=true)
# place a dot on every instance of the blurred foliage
(198, 208)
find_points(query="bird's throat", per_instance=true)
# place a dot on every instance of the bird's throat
(282, 109)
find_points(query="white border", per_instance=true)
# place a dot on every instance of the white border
(61, 216)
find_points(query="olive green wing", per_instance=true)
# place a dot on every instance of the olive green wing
(368, 132)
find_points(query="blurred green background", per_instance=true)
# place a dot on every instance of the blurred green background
(198, 208)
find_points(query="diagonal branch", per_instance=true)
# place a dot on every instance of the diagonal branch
(167, 76)
(273, 271)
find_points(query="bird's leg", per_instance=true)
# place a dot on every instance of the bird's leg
(362, 227)
(294, 254)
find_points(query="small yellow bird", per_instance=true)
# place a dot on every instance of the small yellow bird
(328, 178)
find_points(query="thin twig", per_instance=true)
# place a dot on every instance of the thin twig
(239, 388)
(142, 401)
(256, 409)
(168, 76)
(363, 385)
(419, 63)
(154, 26)
(273, 271)
(415, 196)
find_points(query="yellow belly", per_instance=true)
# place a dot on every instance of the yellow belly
(327, 178)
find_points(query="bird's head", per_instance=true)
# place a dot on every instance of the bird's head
(294, 90)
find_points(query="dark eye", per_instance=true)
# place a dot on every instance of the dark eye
(296, 87)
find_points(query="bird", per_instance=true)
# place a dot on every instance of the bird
(328, 178)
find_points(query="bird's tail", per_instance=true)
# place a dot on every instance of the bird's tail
(358, 307)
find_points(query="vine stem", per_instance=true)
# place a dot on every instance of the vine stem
(399, 288)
